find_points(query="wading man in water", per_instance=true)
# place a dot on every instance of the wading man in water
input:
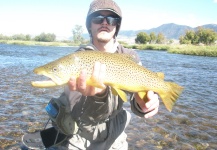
(94, 118)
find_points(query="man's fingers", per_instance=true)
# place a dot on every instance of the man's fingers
(151, 113)
(154, 103)
(72, 84)
(96, 71)
(99, 72)
(152, 98)
(102, 74)
(98, 75)
(81, 85)
(149, 95)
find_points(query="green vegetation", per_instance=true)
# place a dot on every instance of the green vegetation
(77, 35)
(160, 47)
(20, 42)
(201, 35)
(197, 50)
(45, 39)
(200, 42)
(144, 38)
(194, 50)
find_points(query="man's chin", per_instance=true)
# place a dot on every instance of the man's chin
(103, 38)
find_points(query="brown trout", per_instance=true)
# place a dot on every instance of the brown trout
(122, 74)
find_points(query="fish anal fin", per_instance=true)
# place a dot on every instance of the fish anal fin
(119, 92)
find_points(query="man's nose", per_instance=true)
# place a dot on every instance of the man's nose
(104, 21)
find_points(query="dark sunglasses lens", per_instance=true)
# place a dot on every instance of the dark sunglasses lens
(98, 19)
(112, 21)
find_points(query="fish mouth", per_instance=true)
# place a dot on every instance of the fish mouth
(52, 82)
(43, 84)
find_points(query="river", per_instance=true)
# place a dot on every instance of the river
(191, 125)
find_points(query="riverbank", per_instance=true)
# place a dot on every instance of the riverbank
(198, 50)
(18, 42)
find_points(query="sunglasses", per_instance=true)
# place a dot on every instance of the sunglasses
(110, 20)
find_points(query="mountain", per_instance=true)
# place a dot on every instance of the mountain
(210, 26)
(170, 30)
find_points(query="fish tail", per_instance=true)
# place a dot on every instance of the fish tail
(170, 97)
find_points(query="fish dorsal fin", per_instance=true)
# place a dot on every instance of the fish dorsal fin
(128, 57)
(122, 94)
(160, 75)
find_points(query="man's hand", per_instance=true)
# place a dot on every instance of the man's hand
(151, 106)
(80, 85)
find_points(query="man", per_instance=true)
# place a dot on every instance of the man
(97, 117)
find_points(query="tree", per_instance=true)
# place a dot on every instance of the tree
(19, 37)
(160, 38)
(152, 37)
(183, 40)
(201, 35)
(142, 38)
(77, 34)
(49, 37)
(189, 38)
(3, 37)
(28, 37)
(206, 36)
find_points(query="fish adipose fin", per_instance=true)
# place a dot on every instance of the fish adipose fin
(122, 94)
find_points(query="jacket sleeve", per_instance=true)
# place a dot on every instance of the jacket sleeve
(136, 108)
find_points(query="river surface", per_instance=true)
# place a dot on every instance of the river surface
(191, 125)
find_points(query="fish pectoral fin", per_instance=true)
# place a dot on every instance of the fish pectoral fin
(122, 94)
(93, 82)
(143, 96)
(114, 92)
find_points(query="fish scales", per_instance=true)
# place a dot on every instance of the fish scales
(122, 73)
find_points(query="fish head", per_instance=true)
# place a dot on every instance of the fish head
(58, 71)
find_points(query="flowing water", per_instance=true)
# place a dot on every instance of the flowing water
(191, 125)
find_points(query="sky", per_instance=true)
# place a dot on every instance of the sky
(61, 16)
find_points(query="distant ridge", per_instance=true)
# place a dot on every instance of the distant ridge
(170, 30)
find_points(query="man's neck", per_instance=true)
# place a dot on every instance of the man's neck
(105, 47)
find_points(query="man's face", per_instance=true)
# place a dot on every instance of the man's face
(103, 32)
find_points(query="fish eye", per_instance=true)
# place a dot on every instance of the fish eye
(55, 69)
